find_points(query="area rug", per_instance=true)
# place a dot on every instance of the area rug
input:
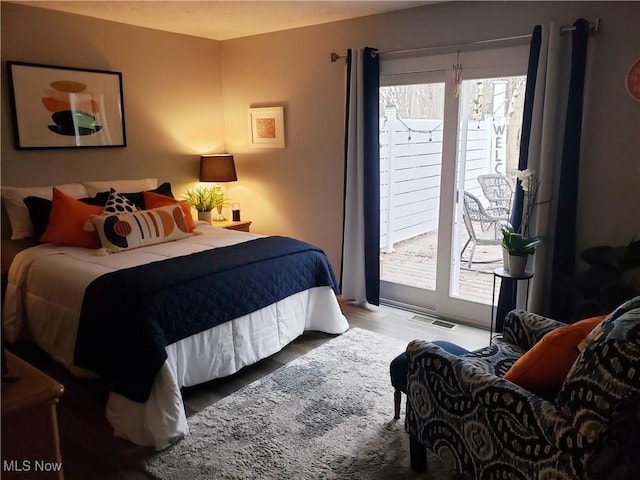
(326, 415)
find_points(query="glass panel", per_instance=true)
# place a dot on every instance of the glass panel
(411, 129)
(490, 122)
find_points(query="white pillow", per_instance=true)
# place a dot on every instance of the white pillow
(138, 229)
(122, 186)
(12, 199)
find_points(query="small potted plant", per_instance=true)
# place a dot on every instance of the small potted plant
(204, 199)
(518, 248)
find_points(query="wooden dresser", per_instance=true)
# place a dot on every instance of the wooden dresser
(30, 441)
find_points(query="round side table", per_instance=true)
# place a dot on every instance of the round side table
(502, 274)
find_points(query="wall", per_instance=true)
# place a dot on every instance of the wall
(298, 190)
(172, 98)
(178, 90)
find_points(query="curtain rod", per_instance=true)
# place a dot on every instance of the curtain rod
(594, 27)
(335, 57)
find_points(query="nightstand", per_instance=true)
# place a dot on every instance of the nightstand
(242, 225)
(30, 441)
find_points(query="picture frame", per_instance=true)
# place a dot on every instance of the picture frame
(266, 127)
(65, 107)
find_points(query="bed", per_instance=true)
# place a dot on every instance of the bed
(46, 300)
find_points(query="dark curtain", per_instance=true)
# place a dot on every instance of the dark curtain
(507, 298)
(368, 131)
(372, 174)
(564, 231)
(564, 250)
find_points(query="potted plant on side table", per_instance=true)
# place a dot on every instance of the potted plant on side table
(518, 248)
(204, 200)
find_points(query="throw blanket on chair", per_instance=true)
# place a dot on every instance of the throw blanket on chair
(128, 317)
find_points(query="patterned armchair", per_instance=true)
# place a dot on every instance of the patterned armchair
(486, 427)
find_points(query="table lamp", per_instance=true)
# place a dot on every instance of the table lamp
(218, 168)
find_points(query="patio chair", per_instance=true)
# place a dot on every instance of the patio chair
(498, 190)
(483, 224)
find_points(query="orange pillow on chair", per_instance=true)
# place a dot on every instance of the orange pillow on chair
(154, 200)
(68, 216)
(544, 367)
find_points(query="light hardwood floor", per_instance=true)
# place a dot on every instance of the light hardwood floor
(89, 450)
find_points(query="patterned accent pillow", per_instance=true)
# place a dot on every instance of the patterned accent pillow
(605, 373)
(137, 197)
(117, 204)
(138, 229)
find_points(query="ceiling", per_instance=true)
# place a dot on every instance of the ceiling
(222, 19)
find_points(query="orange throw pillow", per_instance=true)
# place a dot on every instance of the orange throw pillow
(543, 369)
(154, 200)
(66, 220)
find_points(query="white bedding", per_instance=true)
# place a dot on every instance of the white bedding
(43, 300)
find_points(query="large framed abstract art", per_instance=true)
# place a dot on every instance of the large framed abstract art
(62, 107)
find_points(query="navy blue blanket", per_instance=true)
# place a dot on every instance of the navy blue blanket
(128, 317)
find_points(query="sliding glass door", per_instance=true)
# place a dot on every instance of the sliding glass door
(411, 141)
(441, 137)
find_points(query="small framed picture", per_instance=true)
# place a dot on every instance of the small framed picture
(266, 127)
(62, 107)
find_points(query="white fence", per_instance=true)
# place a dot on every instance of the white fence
(410, 169)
